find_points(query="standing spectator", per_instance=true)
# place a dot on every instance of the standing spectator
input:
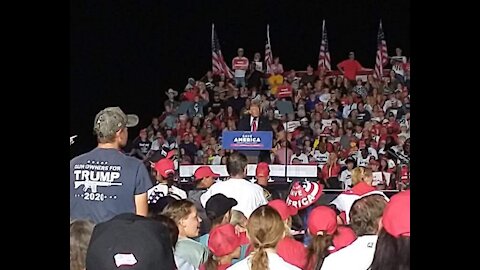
(308, 77)
(164, 171)
(350, 68)
(365, 219)
(291, 250)
(224, 246)
(129, 241)
(240, 65)
(262, 176)
(173, 231)
(399, 65)
(80, 233)
(265, 229)
(393, 244)
(218, 209)
(257, 72)
(184, 214)
(322, 226)
(248, 195)
(113, 183)
(204, 178)
(171, 94)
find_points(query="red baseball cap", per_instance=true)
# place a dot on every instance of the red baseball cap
(342, 238)
(303, 195)
(283, 209)
(292, 251)
(322, 218)
(170, 154)
(263, 170)
(164, 167)
(205, 171)
(396, 216)
(223, 240)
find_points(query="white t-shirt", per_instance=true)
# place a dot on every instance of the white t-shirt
(249, 196)
(357, 256)
(344, 201)
(347, 109)
(275, 262)
(346, 179)
(302, 157)
(320, 158)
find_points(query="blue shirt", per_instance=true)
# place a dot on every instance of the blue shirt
(103, 184)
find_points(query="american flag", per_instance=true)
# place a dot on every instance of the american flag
(324, 56)
(268, 53)
(382, 54)
(218, 63)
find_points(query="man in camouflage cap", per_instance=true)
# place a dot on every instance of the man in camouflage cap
(105, 182)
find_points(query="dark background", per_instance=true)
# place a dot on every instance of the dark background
(128, 53)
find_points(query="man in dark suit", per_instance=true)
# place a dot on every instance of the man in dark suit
(255, 122)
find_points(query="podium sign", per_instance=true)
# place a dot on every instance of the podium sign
(247, 140)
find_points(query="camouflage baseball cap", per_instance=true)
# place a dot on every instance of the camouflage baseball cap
(112, 119)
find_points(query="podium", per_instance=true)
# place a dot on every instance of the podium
(248, 142)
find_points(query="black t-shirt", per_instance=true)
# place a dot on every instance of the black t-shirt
(216, 106)
(144, 147)
(308, 79)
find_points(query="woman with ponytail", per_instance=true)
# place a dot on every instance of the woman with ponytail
(322, 225)
(265, 229)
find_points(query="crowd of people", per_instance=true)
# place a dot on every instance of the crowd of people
(355, 132)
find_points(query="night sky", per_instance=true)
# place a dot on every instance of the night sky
(128, 53)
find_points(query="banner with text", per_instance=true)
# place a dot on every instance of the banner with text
(247, 140)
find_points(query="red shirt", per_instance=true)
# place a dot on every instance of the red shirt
(330, 171)
(292, 251)
(351, 68)
(189, 95)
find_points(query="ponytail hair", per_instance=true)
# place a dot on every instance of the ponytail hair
(265, 229)
(211, 263)
(318, 250)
